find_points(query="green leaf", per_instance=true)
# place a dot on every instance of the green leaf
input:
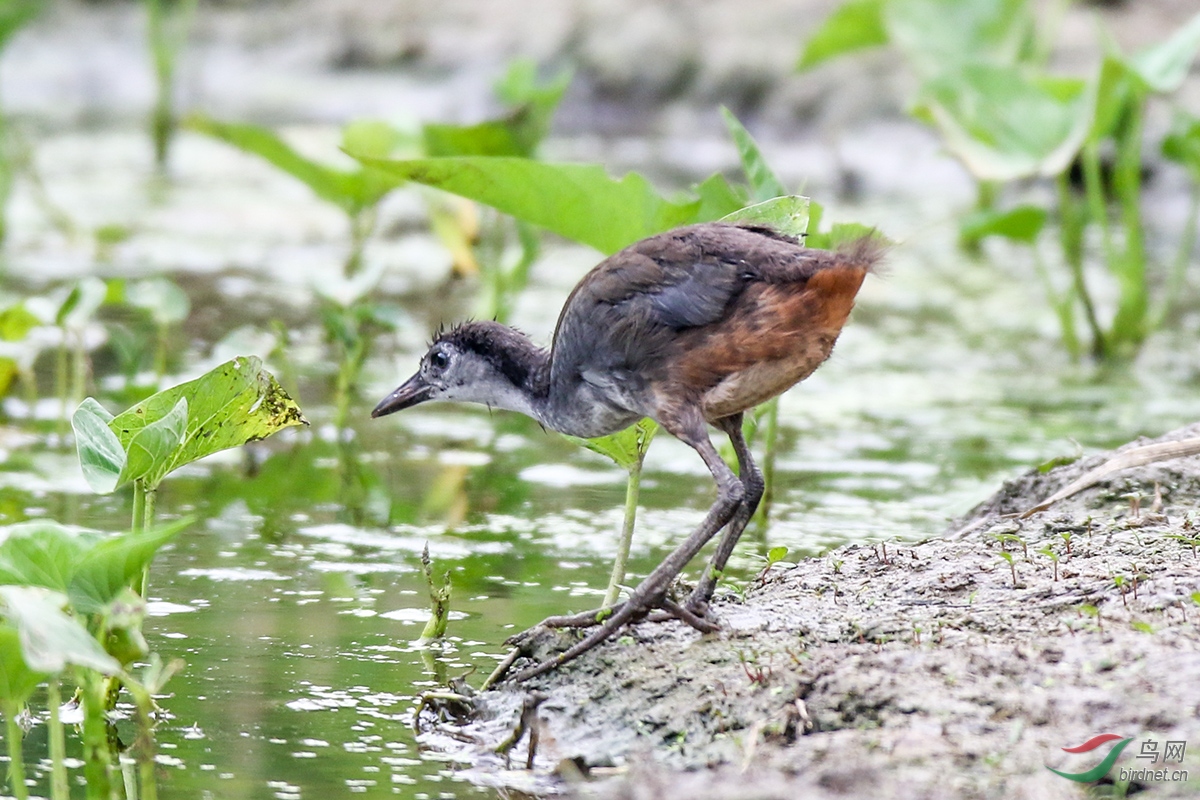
(372, 136)
(101, 454)
(940, 37)
(763, 183)
(151, 447)
(1182, 144)
(109, 567)
(787, 215)
(1164, 66)
(15, 322)
(628, 447)
(81, 303)
(350, 191)
(14, 14)
(50, 639)
(9, 370)
(717, 198)
(42, 553)
(1005, 123)
(162, 298)
(489, 138)
(841, 233)
(516, 133)
(235, 403)
(578, 201)
(856, 25)
(1020, 224)
(776, 554)
(17, 680)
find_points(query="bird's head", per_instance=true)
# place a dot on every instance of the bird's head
(476, 362)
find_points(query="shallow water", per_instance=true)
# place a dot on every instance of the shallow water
(295, 596)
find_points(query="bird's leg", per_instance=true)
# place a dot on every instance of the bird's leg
(752, 484)
(651, 592)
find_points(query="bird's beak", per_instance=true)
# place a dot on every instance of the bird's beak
(412, 391)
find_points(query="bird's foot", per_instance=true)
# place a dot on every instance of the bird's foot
(607, 622)
(693, 611)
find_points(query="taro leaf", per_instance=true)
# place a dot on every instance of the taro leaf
(17, 680)
(166, 303)
(1182, 144)
(50, 639)
(101, 454)
(628, 447)
(763, 183)
(15, 322)
(1020, 224)
(1005, 123)
(152, 446)
(351, 191)
(787, 215)
(42, 553)
(578, 201)
(235, 403)
(940, 37)
(111, 565)
(855, 25)
(1164, 66)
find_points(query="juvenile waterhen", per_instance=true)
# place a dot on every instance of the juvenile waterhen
(690, 327)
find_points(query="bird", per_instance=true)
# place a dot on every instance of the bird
(691, 327)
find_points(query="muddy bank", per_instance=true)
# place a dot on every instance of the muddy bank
(936, 670)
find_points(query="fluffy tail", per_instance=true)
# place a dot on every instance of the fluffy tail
(865, 250)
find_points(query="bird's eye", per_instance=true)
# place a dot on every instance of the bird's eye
(439, 360)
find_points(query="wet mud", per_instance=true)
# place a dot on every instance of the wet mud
(942, 669)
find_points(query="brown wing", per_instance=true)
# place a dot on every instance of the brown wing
(686, 309)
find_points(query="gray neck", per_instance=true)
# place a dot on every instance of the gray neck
(520, 379)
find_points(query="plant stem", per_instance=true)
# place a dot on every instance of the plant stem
(144, 748)
(160, 352)
(148, 498)
(439, 598)
(1072, 223)
(78, 369)
(97, 767)
(1093, 185)
(16, 762)
(164, 47)
(361, 226)
(1129, 323)
(61, 372)
(139, 506)
(59, 788)
(633, 487)
(148, 513)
